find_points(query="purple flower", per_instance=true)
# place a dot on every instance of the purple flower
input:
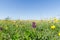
(33, 24)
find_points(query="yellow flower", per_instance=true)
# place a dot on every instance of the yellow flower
(52, 27)
(55, 20)
(59, 34)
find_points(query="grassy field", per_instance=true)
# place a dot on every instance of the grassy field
(23, 30)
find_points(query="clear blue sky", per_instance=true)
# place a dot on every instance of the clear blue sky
(29, 9)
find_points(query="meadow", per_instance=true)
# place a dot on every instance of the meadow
(23, 29)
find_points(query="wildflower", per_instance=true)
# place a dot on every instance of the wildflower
(33, 24)
(55, 20)
(59, 34)
(52, 27)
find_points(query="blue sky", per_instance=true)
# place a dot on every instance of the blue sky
(29, 9)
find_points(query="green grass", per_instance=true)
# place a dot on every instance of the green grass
(23, 30)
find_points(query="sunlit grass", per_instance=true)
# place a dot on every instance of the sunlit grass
(23, 30)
